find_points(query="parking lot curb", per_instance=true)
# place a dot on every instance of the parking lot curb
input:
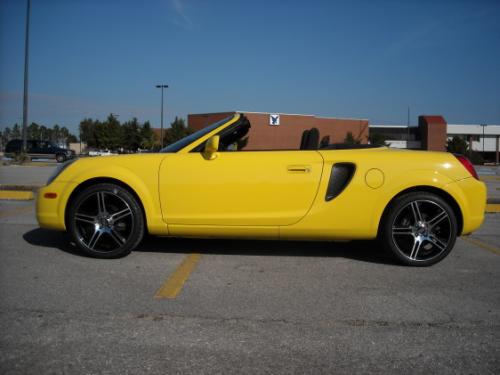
(492, 208)
(33, 188)
(18, 192)
(30, 164)
(16, 195)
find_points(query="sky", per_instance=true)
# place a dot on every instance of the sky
(368, 59)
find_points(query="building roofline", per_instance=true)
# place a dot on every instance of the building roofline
(343, 118)
(304, 114)
(210, 113)
(390, 126)
(278, 113)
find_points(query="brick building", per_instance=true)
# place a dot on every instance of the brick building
(287, 131)
(431, 133)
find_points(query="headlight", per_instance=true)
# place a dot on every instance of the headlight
(59, 169)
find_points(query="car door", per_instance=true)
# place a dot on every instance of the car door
(247, 188)
(39, 149)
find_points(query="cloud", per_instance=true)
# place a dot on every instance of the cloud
(181, 19)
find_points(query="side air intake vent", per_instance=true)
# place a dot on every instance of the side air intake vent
(339, 178)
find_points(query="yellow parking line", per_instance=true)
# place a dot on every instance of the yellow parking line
(16, 195)
(489, 178)
(493, 207)
(173, 285)
(491, 248)
(20, 210)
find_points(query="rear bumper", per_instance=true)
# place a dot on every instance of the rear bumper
(471, 196)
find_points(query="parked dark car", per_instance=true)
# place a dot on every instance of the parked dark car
(39, 150)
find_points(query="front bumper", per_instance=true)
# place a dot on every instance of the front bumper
(50, 212)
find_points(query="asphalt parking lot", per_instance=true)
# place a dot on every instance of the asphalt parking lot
(243, 306)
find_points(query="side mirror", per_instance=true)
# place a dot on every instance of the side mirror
(211, 148)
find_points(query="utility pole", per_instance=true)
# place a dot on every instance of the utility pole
(26, 61)
(483, 126)
(161, 126)
(408, 128)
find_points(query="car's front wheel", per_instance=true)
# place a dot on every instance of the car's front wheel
(419, 229)
(106, 221)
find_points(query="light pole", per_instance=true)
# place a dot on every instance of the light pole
(483, 126)
(161, 126)
(25, 96)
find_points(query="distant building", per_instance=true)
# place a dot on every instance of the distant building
(484, 139)
(431, 133)
(282, 131)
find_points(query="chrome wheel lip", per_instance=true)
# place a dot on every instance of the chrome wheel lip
(422, 230)
(104, 222)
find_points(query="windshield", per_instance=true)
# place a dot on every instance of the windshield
(180, 144)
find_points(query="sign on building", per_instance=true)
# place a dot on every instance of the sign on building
(274, 119)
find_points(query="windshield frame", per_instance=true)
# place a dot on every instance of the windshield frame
(199, 136)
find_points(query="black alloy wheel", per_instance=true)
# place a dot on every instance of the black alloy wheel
(419, 229)
(106, 221)
(60, 158)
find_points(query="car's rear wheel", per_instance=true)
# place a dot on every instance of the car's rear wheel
(419, 229)
(106, 221)
(60, 158)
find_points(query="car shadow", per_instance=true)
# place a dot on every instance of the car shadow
(366, 251)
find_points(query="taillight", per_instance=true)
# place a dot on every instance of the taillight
(468, 165)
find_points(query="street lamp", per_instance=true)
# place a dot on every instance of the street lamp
(26, 61)
(161, 126)
(483, 126)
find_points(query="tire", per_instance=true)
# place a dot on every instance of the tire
(106, 221)
(60, 158)
(419, 229)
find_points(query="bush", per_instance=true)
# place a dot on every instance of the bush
(457, 145)
(21, 157)
(377, 139)
(476, 158)
(351, 140)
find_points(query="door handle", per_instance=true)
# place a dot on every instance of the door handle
(299, 168)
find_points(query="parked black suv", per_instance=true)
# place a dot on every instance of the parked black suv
(39, 150)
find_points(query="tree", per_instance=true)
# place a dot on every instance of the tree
(457, 145)
(87, 131)
(177, 130)
(16, 131)
(350, 140)
(147, 136)
(6, 136)
(56, 133)
(131, 135)
(113, 133)
(33, 131)
(64, 134)
(377, 139)
(43, 133)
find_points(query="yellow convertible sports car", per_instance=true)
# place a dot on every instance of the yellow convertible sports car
(205, 185)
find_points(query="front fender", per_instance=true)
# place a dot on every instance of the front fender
(143, 181)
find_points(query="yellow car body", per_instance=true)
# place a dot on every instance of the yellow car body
(267, 194)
